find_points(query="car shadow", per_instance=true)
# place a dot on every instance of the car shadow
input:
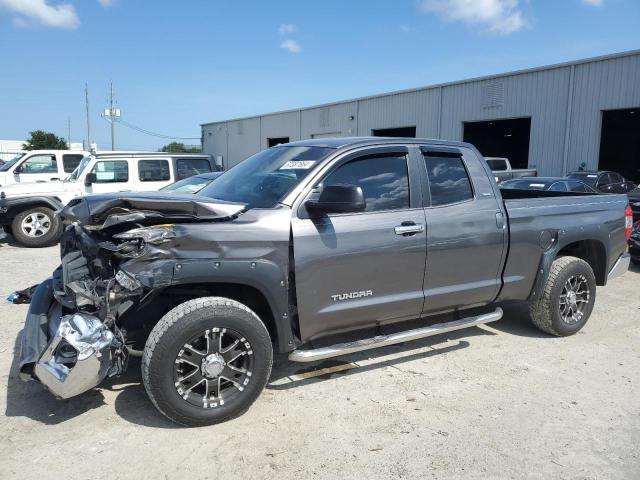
(517, 321)
(7, 240)
(32, 400)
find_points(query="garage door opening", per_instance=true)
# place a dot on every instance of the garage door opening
(501, 138)
(272, 142)
(620, 143)
(408, 132)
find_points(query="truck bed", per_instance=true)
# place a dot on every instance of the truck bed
(566, 221)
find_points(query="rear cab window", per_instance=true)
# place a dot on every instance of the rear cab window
(188, 167)
(449, 181)
(497, 164)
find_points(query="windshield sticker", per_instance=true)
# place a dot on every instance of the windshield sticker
(539, 185)
(298, 165)
(592, 176)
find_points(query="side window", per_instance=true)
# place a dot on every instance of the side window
(111, 171)
(153, 170)
(383, 178)
(188, 167)
(558, 187)
(448, 180)
(605, 179)
(71, 161)
(576, 186)
(40, 164)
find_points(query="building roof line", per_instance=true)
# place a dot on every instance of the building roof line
(611, 56)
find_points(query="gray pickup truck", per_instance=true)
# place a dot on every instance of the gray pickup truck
(295, 246)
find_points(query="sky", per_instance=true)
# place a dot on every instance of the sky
(177, 64)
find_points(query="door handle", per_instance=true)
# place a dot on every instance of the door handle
(500, 220)
(124, 190)
(409, 229)
(54, 178)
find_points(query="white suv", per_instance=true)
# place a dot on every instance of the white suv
(40, 166)
(27, 209)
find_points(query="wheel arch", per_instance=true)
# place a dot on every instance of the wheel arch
(14, 209)
(592, 251)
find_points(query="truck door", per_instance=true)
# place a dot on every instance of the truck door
(365, 268)
(466, 231)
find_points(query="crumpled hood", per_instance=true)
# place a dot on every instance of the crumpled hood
(102, 211)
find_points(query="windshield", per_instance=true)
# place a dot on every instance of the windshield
(11, 162)
(588, 178)
(262, 180)
(76, 173)
(189, 185)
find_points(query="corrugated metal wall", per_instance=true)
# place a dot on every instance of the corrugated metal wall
(564, 103)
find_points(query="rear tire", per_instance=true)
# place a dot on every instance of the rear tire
(36, 227)
(206, 361)
(567, 299)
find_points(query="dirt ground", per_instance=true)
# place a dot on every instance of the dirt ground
(499, 401)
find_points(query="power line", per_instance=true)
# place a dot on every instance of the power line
(153, 134)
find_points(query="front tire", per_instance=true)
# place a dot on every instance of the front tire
(36, 227)
(206, 361)
(567, 299)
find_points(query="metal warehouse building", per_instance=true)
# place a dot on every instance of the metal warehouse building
(555, 118)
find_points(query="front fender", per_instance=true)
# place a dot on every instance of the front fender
(265, 276)
(10, 207)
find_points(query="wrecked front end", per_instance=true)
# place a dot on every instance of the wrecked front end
(117, 254)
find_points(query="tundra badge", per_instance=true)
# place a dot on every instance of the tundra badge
(352, 295)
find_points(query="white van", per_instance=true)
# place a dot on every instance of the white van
(40, 166)
(27, 209)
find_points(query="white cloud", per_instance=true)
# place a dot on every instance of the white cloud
(39, 12)
(106, 3)
(287, 28)
(496, 16)
(594, 3)
(405, 28)
(291, 45)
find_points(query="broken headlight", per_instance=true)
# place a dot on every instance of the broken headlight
(132, 242)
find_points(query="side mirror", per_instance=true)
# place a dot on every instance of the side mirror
(90, 178)
(337, 199)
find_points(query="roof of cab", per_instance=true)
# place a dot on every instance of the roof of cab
(339, 142)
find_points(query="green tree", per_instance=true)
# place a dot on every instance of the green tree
(177, 147)
(41, 140)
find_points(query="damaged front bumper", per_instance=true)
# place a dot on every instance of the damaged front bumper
(69, 354)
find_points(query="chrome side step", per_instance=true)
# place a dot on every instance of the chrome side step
(384, 340)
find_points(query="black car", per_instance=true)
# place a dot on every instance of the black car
(634, 201)
(634, 243)
(548, 184)
(604, 181)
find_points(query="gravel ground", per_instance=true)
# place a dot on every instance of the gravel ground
(499, 401)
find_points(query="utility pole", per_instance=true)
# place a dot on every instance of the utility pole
(111, 114)
(69, 132)
(86, 101)
(113, 123)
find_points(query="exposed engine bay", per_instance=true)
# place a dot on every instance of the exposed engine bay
(117, 255)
